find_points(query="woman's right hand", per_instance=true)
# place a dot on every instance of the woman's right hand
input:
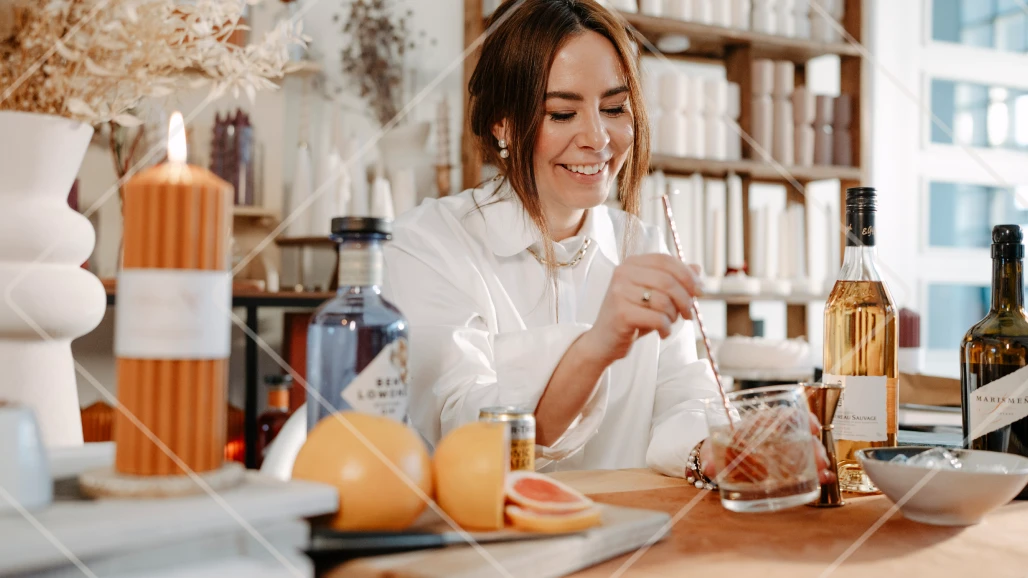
(647, 293)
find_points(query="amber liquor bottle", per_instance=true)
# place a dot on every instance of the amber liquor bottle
(993, 355)
(274, 417)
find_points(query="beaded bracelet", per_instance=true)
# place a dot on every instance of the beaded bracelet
(694, 471)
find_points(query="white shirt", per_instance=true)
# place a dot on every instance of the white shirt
(484, 331)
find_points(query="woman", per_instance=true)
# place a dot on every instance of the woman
(529, 290)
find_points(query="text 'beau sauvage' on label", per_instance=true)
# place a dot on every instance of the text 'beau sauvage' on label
(863, 411)
(173, 314)
(998, 404)
(381, 388)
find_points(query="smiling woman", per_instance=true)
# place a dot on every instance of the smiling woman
(529, 291)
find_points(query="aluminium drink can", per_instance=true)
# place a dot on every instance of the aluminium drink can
(522, 433)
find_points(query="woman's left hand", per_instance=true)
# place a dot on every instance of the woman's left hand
(824, 472)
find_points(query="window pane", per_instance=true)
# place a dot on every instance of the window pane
(999, 24)
(952, 310)
(961, 215)
(979, 115)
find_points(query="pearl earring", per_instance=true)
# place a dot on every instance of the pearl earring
(504, 153)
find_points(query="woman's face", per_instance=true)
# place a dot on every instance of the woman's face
(587, 131)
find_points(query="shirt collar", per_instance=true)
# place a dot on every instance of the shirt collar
(509, 229)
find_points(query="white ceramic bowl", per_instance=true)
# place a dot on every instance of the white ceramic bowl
(946, 497)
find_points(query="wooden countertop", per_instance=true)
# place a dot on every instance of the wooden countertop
(863, 539)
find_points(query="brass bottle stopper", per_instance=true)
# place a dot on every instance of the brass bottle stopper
(823, 399)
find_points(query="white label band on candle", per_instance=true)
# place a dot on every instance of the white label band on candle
(998, 404)
(173, 314)
(862, 414)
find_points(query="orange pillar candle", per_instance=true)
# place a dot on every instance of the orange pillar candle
(172, 327)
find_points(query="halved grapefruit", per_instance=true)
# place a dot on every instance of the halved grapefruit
(528, 521)
(543, 494)
(469, 468)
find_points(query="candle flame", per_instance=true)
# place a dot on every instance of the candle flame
(176, 139)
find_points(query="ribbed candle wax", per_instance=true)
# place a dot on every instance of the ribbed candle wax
(172, 327)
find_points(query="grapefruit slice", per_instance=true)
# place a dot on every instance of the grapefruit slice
(469, 468)
(528, 521)
(543, 494)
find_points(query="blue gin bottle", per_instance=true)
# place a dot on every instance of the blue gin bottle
(357, 341)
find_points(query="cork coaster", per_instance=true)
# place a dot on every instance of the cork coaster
(106, 483)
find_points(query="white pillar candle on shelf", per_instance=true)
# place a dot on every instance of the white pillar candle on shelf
(836, 8)
(674, 134)
(733, 140)
(404, 190)
(757, 262)
(697, 218)
(721, 13)
(822, 27)
(299, 193)
(715, 106)
(716, 244)
(650, 83)
(823, 117)
(762, 77)
(702, 11)
(382, 199)
(801, 18)
(763, 17)
(680, 196)
(784, 143)
(803, 104)
(842, 153)
(736, 259)
(774, 239)
(694, 102)
(762, 126)
(798, 259)
(741, 10)
(696, 136)
(674, 90)
(785, 252)
(656, 132)
(817, 225)
(651, 7)
(326, 206)
(785, 23)
(784, 78)
(678, 9)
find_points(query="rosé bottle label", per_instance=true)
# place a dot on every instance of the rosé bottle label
(863, 409)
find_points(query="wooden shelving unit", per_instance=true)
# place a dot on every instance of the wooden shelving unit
(253, 212)
(736, 50)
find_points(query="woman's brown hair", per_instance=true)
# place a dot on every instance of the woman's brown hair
(509, 83)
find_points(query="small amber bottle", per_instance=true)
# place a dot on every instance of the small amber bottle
(274, 417)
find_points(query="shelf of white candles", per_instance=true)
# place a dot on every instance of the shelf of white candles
(758, 170)
(785, 29)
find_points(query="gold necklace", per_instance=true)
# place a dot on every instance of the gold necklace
(574, 260)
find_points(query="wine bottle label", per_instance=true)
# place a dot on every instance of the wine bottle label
(381, 389)
(173, 314)
(998, 404)
(863, 414)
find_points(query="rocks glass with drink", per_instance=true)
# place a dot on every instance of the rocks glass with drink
(762, 448)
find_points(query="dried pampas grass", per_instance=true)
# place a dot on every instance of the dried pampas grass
(93, 60)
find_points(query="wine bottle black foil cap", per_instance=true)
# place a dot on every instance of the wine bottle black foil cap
(862, 198)
(1007, 242)
(362, 227)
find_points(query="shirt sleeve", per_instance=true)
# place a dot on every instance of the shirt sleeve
(679, 420)
(458, 365)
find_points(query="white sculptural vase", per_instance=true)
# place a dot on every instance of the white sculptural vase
(46, 297)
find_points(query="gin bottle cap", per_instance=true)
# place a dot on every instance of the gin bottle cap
(362, 228)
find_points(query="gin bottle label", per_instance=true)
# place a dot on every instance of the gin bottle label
(863, 409)
(381, 389)
(998, 404)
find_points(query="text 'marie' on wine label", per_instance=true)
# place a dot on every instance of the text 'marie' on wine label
(862, 415)
(998, 404)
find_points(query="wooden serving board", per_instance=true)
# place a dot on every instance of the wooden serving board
(623, 530)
